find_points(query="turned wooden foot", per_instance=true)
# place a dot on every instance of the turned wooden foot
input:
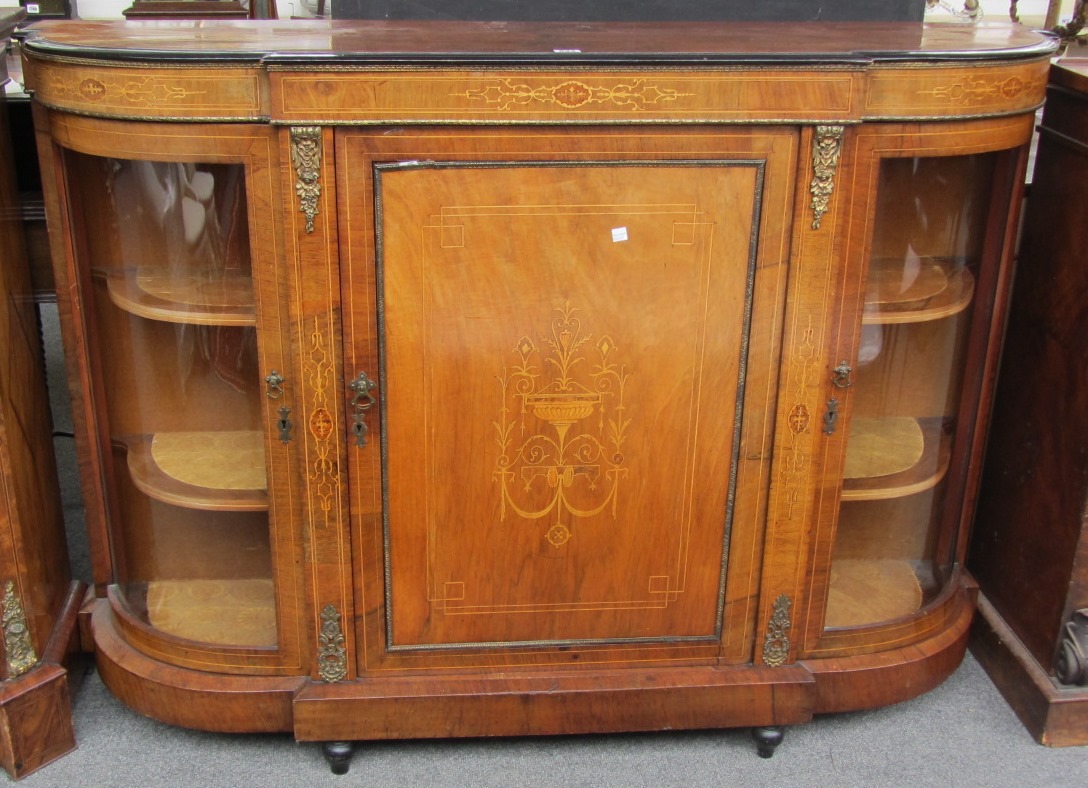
(767, 739)
(338, 755)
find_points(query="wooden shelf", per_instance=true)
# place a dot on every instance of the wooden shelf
(893, 457)
(216, 471)
(865, 591)
(226, 300)
(938, 290)
(235, 612)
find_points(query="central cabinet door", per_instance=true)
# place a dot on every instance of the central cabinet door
(563, 350)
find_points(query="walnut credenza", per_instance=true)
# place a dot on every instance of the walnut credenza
(497, 379)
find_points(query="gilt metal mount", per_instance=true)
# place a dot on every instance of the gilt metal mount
(306, 158)
(18, 646)
(826, 149)
(1071, 666)
(332, 662)
(776, 642)
(840, 376)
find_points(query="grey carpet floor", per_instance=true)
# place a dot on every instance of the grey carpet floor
(961, 734)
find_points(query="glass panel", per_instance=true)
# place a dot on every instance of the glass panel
(167, 250)
(898, 512)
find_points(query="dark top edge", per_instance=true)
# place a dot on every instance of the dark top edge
(456, 45)
(1072, 73)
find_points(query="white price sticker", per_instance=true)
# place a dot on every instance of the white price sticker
(619, 234)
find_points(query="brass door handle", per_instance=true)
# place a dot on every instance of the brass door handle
(274, 380)
(362, 401)
(841, 375)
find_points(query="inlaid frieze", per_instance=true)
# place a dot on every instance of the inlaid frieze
(150, 93)
(407, 96)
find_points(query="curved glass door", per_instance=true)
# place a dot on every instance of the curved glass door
(172, 312)
(899, 508)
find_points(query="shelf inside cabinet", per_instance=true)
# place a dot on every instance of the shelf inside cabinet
(868, 591)
(938, 288)
(225, 299)
(236, 611)
(218, 471)
(893, 457)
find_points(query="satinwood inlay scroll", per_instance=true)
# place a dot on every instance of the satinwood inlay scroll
(826, 149)
(306, 158)
(969, 92)
(147, 91)
(92, 89)
(332, 663)
(19, 649)
(321, 424)
(324, 481)
(572, 94)
(776, 642)
(799, 418)
(193, 93)
(946, 92)
(795, 460)
(548, 445)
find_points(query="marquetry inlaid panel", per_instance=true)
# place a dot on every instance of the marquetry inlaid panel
(151, 93)
(543, 96)
(563, 358)
(955, 91)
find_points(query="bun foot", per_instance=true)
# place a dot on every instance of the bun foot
(767, 739)
(338, 756)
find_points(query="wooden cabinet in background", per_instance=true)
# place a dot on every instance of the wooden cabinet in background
(1029, 549)
(497, 379)
(186, 9)
(38, 601)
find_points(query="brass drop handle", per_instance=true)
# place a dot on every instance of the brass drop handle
(274, 381)
(840, 377)
(362, 401)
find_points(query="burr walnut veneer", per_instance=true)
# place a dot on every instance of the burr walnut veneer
(494, 379)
